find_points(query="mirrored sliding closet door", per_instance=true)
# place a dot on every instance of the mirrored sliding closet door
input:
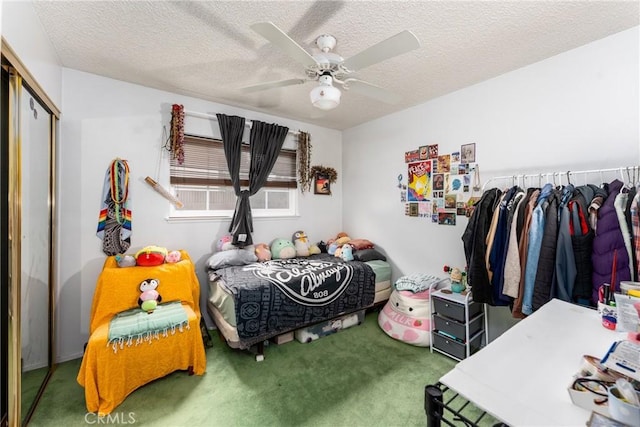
(29, 215)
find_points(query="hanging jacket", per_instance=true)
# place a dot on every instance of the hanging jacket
(511, 285)
(565, 265)
(499, 248)
(475, 247)
(546, 272)
(620, 203)
(635, 227)
(634, 239)
(582, 241)
(536, 232)
(523, 247)
(608, 239)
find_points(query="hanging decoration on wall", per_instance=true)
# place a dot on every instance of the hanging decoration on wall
(114, 222)
(164, 193)
(176, 136)
(439, 185)
(323, 178)
(305, 178)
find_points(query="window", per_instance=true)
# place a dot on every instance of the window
(203, 184)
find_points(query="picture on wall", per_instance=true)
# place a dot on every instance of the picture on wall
(419, 181)
(433, 151)
(322, 185)
(468, 153)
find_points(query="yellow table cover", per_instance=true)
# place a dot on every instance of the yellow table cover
(109, 376)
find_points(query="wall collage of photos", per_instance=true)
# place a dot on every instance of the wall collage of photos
(439, 186)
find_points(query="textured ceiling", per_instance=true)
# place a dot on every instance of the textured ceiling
(208, 50)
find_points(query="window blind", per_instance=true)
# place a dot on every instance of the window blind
(205, 164)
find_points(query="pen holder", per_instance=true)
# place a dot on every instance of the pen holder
(621, 410)
(609, 315)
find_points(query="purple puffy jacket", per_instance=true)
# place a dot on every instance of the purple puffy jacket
(608, 238)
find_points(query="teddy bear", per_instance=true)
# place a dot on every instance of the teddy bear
(149, 297)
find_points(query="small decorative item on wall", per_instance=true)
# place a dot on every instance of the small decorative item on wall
(323, 178)
(468, 153)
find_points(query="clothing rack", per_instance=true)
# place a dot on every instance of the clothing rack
(247, 123)
(632, 175)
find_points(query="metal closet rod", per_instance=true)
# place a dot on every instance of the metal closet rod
(568, 174)
(247, 123)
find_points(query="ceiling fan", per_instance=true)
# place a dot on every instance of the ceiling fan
(328, 68)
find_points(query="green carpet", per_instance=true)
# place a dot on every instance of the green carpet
(356, 377)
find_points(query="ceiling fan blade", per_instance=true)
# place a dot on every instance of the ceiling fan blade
(372, 91)
(275, 35)
(271, 85)
(402, 42)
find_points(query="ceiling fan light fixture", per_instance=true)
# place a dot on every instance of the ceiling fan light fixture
(325, 96)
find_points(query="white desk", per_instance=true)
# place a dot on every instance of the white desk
(521, 378)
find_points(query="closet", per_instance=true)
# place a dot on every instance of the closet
(27, 235)
(532, 238)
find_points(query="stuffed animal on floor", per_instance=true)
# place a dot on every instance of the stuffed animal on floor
(282, 249)
(263, 252)
(149, 298)
(301, 243)
(407, 317)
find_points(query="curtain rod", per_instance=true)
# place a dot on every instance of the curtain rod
(214, 117)
(568, 174)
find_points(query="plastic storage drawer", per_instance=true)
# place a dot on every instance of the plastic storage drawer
(454, 310)
(454, 347)
(457, 329)
(319, 330)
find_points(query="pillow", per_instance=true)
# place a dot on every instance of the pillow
(360, 244)
(232, 257)
(369, 254)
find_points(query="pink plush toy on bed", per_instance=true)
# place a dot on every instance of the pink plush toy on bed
(407, 317)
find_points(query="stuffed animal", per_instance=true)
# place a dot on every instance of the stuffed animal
(333, 247)
(151, 256)
(407, 317)
(314, 249)
(322, 246)
(301, 243)
(282, 249)
(173, 257)
(347, 252)
(225, 243)
(125, 260)
(457, 278)
(263, 252)
(149, 298)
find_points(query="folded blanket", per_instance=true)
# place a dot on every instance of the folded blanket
(417, 282)
(136, 324)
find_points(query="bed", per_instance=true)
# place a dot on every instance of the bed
(255, 302)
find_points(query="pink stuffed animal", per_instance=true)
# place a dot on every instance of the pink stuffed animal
(173, 257)
(263, 252)
(407, 317)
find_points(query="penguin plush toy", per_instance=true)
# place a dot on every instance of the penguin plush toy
(149, 298)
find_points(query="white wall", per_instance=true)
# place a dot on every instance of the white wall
(21, 28)
(575, 111)
(105, 119)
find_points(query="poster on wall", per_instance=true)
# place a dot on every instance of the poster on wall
(419, 181)
(411, 156)
(468, 153)
(444, 163)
